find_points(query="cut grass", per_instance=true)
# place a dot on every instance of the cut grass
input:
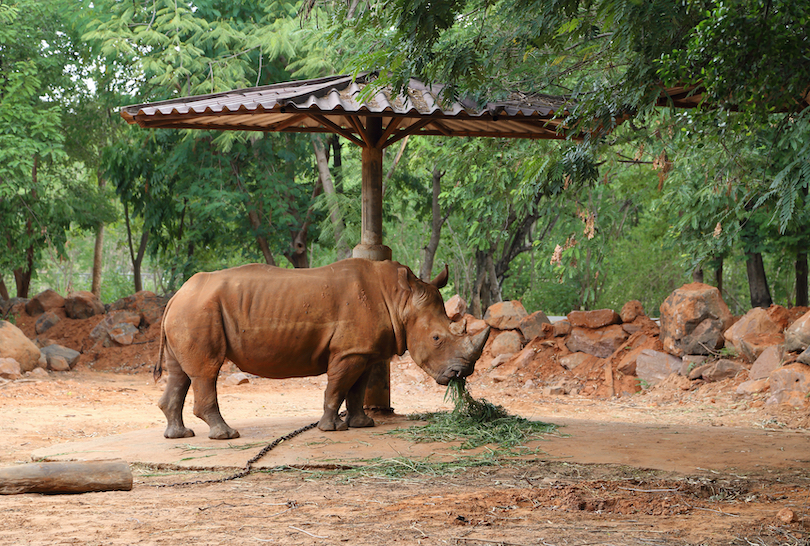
(475, 423)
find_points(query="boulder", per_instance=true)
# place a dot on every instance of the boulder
(238, 378)
(474, 325)
(82, 305)
(804, 357)
(569, 362)
(506, 343)
(46, 300)
(14, 306)
(10, 369)
(637, 343)
(594, 319)
(58, 363)
(14, 344)
(455, 307)
(652, 367)
(769, 360)
(690, 362)
(123, 333)
(52, 352)
(602, 342)
(101, 333)
(505, 315)
(715, 371)
(40, 373)
(693, 320)
(532, 326)
(561, 328)
(631, 310)
(146, 304)
(789, 385)
(752, 386)
(755, 321)
(752, 345)
(46, 321)
(797, 336)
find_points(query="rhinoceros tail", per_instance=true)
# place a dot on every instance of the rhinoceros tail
(158, 369)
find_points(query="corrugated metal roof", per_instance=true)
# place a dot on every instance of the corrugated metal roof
(332, 105)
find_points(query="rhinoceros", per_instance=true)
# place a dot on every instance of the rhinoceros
(341, 320)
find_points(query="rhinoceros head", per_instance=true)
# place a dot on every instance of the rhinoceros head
(439, 346)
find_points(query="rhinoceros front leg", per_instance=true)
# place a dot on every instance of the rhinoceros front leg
(173, 399)
(342, 375)
(206, 407)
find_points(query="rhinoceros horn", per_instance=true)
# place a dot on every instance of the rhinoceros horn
(474, 345)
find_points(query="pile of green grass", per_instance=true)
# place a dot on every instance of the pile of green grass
(475, 423)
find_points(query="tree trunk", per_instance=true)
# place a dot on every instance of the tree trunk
(801, 279)
(757, 281)
(718, 275)
(136, 260)
(325, 176)
(261, 240)
(22, 275)
(98, 249)
(3, 289)
(697, 274)
(435, 228)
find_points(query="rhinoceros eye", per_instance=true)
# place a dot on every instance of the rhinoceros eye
(435, 337)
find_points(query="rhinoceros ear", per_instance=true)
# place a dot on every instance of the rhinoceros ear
(441, 279)
(402, 279)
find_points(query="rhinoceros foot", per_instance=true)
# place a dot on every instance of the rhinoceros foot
(360, 421)
(223, 432)
(178, 432)
(326, 424)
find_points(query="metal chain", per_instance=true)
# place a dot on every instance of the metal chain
(249, 465)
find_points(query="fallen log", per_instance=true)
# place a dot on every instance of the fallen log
(66, 477)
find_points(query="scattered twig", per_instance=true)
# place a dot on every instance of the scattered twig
(306, 532)
(648, 490)
(716, 511)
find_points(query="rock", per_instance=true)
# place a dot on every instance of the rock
(239, 378)
(45, 321)
(769, 360)
(797, 336)
(505, 315)
(715, 371)
(146, 304)
(652, 367)
(569, 362)
(82, 305)
(10, 369)
(593, 319)
(474, 325)
(631, 310)
(755, 321)
(58, 363)
(789, 385)
(44, 301)
(532, 326)
(561, 328)
(14, 344)
(690, 362)
(786, 515)
(15, 306)
(38, 373)
(602, 342)
(123, 333)
(506, 343)
(804, 357)
(455, 307)
(693, 320)
(101, 333)
(780, 315)
(752, 386)
(554, 390)
(69, 355)
(752, 345)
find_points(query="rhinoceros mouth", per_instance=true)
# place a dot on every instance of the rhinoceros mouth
(454, 372)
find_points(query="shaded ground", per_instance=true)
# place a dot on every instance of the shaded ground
(666, 467)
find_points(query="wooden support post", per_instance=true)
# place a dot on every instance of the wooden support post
(371, 247)
(68, 477)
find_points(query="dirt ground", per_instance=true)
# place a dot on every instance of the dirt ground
(572, 492)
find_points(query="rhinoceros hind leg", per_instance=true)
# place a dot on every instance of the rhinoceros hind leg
(206, 408)
(354, 403)
(330, 423)
(173, 399)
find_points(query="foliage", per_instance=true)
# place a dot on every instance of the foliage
(475, 423)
